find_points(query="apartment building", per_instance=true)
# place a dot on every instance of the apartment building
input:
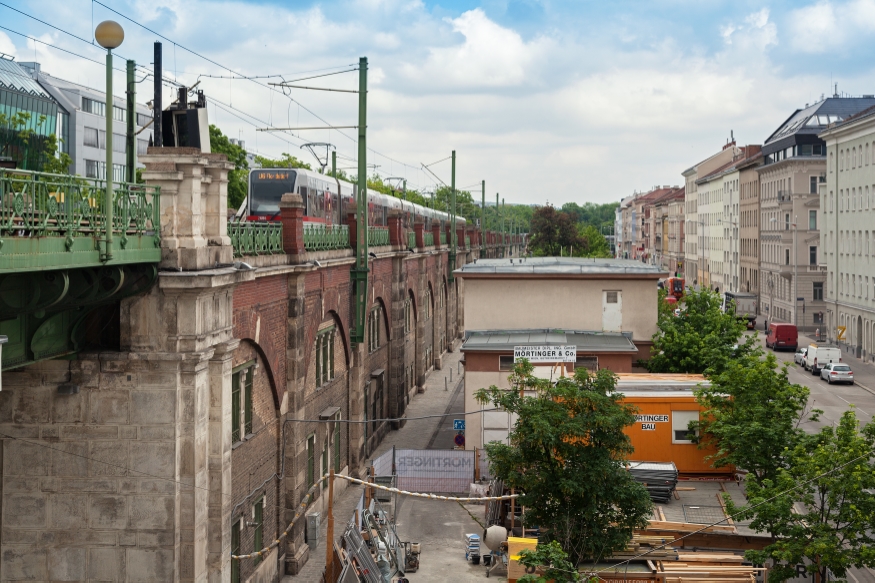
(847, 231)
(792, 278)
(674, 242)
(749, 222)
(693, 242)
(661, 208)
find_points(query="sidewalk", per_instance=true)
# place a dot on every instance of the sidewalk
(416, 434)
(864, 373)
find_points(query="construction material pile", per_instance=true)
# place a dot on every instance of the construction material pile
(707, 567)
(647, 547)
(660, 478)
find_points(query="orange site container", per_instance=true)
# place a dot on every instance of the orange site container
(666, 405)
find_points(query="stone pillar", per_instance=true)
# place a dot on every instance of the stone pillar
(436, 231)
(460, 236)
(193, 230)
(419, 230)
(395, 231)
(292, 218)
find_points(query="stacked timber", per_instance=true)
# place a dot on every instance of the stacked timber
(660, 478)
(707, 567)
(652, 548)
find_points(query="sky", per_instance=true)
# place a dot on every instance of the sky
(546, 100)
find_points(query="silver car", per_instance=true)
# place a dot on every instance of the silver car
(799, 358)
(837, 372)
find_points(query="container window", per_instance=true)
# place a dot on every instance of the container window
(680, 426)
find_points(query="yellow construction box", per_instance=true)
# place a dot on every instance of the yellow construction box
(516, 544)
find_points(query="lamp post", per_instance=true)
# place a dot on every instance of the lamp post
(109, 34)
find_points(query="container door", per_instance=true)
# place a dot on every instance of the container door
(612, 311)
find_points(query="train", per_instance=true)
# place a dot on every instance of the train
(327, 200)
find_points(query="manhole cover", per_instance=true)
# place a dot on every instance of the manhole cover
(703, 514)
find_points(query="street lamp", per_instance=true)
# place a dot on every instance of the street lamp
(109, 34)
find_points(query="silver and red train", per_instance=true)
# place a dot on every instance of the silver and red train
(326, 199)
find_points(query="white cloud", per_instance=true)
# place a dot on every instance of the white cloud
(829, 25)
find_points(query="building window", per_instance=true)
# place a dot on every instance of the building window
(590, 363)
(812, 255)
(241, 401)
(786, 257)
(787, 222)
(118, 143)
(119, 113)
(94, 169)
(505, 363)
(428, 304)
(324, 356)
(143, 119)
(680, 426)
(325, 462)
(812, 184)
(258, 519)
(90, 138)
(408, 315)
(812, 220)
(311, 461)
(93, 106)
(235, 550)
(817, 291)
(374, 318)
(142, 147)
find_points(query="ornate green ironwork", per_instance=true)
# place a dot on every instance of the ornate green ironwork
(428, 239)
(411, 240)
(467, 242)
(256, 237)
(319, 237)
(51, 221)
(378, 236)
(443, 237)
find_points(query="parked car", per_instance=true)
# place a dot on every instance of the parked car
(837, 372)
(819, 355)
(782, 337)
(799, 357)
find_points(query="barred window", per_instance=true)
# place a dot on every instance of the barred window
(374, 318)
(311, 460)
(241, 401)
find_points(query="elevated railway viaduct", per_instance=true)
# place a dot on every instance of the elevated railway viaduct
(151, 433)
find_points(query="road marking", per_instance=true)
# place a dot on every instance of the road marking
(849, 403)
(852, 576)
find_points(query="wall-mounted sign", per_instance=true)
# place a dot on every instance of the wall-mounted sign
(652, 418)
(536, 354)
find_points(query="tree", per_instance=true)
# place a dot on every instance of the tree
(284, 161)
(553, 232)
(701, 339)
(830, 481)
(552, 560)
(238, 179)
(594, 243)
(752, 414)
(566, 457)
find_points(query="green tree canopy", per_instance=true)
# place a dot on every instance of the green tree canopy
(553, 233)
(566, 457)
(700, 339)
(821, 508)
(552, 560)
(238, 179)
(598, 215)
(284, 161)
(752, 415)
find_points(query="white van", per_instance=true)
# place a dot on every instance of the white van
(821, 354)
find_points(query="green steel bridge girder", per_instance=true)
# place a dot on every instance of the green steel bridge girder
(44, 314)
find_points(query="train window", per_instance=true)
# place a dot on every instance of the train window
(266, 188)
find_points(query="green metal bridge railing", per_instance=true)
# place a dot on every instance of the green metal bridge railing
(443, 237)
(378, 236)
(319, 237)
(256, 237)
(50, 221)
(428, 239)
(411, 240)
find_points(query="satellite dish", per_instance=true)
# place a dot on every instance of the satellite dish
(495, 535)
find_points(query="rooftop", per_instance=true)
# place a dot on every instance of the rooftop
(586, 341)
(815, 118)
(560, 266)
(16, 78)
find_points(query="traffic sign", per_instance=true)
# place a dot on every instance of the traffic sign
(458, 425)
(459, 440)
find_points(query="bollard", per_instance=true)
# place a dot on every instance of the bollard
(446, 387)
(451, 375)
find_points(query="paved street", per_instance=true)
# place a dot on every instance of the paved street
(834, 399)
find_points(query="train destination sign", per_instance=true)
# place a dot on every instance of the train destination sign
(536, 354)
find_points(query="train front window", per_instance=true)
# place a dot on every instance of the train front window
(266, 188)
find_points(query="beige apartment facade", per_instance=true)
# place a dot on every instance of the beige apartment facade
(674, 242)
(607, 308)
(749, 223)
(847, 234)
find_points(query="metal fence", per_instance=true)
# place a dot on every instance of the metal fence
(256, 237)
(378, 236)
(319, 237)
